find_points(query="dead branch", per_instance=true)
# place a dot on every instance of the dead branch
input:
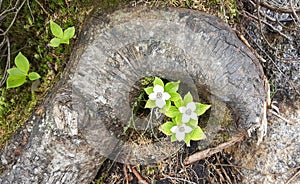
(210, 151)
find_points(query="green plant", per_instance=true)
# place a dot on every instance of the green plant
(183, 113)
(61, 37)
(17, 75)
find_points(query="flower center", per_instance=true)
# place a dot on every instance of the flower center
(159, 95)
(188, 112)
(181, 129)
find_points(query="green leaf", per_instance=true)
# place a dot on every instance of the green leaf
(172, 87)
(150, 104)
(158, 81)
(193, 123)
(22, 63)
(15, 71)
(172, 112)
(173, 138)
(149, 90)
(201, 108)
(69, 33)
(187, 140)
(54, 42)
(187, 99)
(178, 103)
(166, 107)
(197, 134)
(175, 96)
(166, 127)
(178, 119)
(65, 41)
(33, 76)
(56, 30)
(14, 81)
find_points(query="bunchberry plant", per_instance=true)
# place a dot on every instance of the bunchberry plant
(17, 75)
(183, 113)
(61, 37)
(161, 95)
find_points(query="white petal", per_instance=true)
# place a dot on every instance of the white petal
(182, 109)
(174, 129)
(179, 136)
(194, 116)
(191, 106)
(160, 103)
(166, 96)
(187, 129)
(185, 118)
(152, 96)
(158, 88)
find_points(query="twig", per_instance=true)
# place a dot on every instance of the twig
(296, 175)
(210, 151)
(4, 77)
(294, 12)
(126, 173)
(48, 14)
(221, 178)
(282, 118)
(138, 176)
(14, 18)
(234, 167)
(8, 9)
(251, 48)
(179, 179)
(274, 8)
(28, 5)
(272, 60)
(268, 24)
(223, 170)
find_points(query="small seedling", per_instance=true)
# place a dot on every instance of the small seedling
(61, 37)
(183, 113)
(17, 75)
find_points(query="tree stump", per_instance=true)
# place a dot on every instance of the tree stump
(79, 123)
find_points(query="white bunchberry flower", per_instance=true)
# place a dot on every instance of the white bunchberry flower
(159, 96)
(188, 112)
(180, 131)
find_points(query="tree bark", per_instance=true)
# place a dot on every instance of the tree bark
(66, 140)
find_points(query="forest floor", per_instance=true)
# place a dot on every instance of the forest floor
(276, 44)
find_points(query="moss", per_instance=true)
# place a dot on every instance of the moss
(225, 9)
(221, 137)
(227, 119)
(31, 34)
(16, 106)
(101, 179)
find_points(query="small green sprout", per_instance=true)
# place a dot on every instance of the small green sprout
(183, 113)
(17, 75)
(61, 37)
